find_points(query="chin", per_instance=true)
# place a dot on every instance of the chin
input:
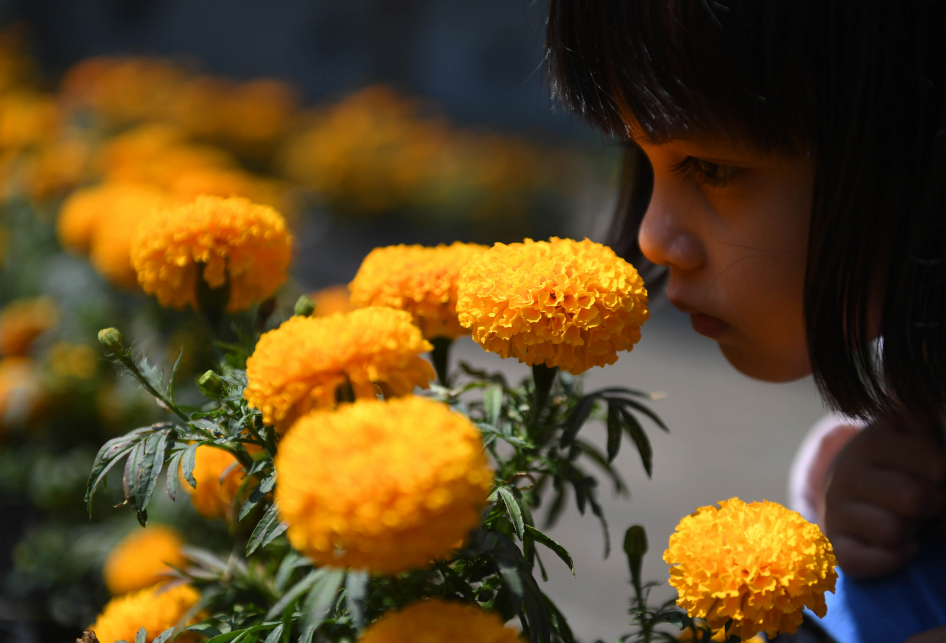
(768, 367)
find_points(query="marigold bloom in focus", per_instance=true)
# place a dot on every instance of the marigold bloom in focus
(141, 559)
(437, 620)
(383, 486)
(758, 564)
(298, 366)
(154, 608)
(331, 300)
(213, 497)
(420, 280)
(22, 321)
(565, 303)
(227, 239)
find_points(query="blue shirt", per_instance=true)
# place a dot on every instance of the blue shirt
(889, 609)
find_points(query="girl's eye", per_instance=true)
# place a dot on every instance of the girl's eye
(711, 174)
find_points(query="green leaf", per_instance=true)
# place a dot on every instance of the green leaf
(267, 529)
(512, 508)
(493, 403)
(579, 415)
(295, 592)
(188, 463)
(599, 458)
(641, 408)
(674, 617)
(177, 362)
(227, 636)
(98, 474)
(164, 636)
(291, 562)
(141, 636)
(320, 600)
(634, 429)
(558, 620)
(257, 495)
(174, 466)
(357, 586)
(614, 431)
(556, 548)
(151, 475)
(275, 634)
(154, 377)
(558, 505)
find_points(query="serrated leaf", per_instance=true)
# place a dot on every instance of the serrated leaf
(614, 431)
(206, 425)
(492, 403)
(177, 362)
(157, 465)
(188, 462)
(577, 418)
(357, 586)
(634, 429)
(642, 409)
(99, 474)
(512, 508)
(174, 466)
(154, 377)
(556, 548)
(601, 460)
(267, 523)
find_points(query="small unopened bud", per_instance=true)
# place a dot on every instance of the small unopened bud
(304, 306)
(635, 546)
(111, 339)
(211, 384)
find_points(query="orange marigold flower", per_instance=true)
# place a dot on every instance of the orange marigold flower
(439, 621)
(418, 279)
(22, 321)
(299, 366)
(232, 239)
(155, 608)
(142, 558)
(383, 486)
(565, 303)
(215, 495)
(21, 394)
(331, 300)
(758, 564)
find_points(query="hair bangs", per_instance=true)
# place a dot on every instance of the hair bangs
(684, 69)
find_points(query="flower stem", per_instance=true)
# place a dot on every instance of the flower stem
(543, 376)
(440, 356)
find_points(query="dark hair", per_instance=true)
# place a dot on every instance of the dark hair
(858, 84)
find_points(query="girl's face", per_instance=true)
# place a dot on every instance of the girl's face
(731, 224)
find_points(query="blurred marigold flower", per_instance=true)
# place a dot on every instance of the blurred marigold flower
(155, 608)
(141, 559)
(331, 300)
(300, 365)
(217, 240)
(69, 361)
(383, 486)
(21, 393)
(27, 118)
(758, 564)
(56, 168)
(22, 321)
(439, 620)
(215, 494)
(418, 279)
(570, 304)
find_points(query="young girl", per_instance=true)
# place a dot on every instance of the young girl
(785, 180)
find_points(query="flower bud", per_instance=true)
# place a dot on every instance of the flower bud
(304, 306)
(111, 339)
(210, 384)
(635, 546)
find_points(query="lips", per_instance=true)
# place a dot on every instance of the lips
(702, 323)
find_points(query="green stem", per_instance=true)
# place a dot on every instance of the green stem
(440, 356)
(543, 376)
(124, 356)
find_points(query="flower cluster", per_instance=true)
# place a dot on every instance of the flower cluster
(300, 365)
(438, 621)
(570, 304)
(155, 608)
(142, 559)
(222, 241)
(758, 564)
(418, 279)
(384, 486)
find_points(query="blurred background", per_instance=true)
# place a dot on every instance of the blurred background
(367, 122)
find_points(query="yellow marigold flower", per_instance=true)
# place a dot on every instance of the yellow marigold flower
(213, 497)
(142, 558)
(418, 279)
(439, 621)
(77, 361)
(126, 207)
(154, 608)
(298, 366)
(331, 300)
(758, 564)
(565, 303)
(233, 238)
(22, 321)
(383, 486)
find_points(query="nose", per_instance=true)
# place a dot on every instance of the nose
(667, 235)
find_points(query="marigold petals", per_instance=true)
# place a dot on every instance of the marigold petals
(384, 486)
(439, 620)
(570, 304)
(142, 558)
(155, 608)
